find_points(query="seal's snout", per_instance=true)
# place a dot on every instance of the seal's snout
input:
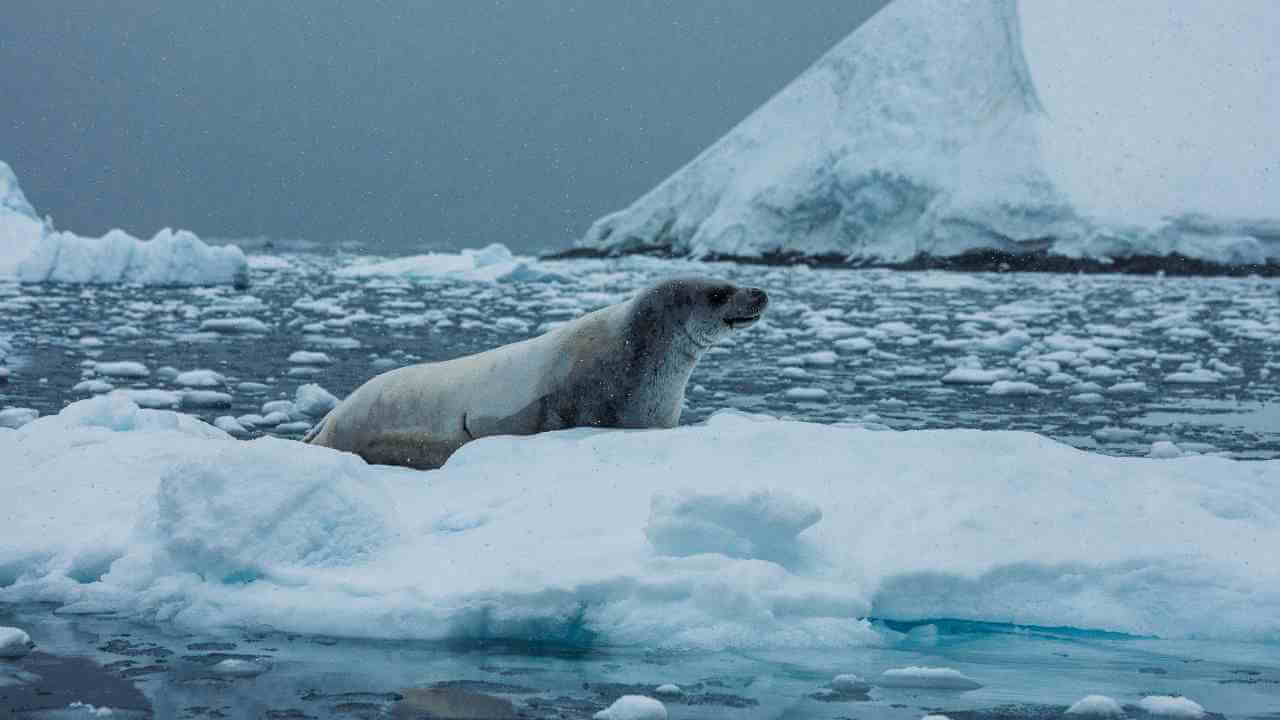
(748, 305)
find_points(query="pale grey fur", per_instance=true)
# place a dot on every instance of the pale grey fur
(623, 366)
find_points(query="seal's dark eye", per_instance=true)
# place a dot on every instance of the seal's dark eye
(719, 296)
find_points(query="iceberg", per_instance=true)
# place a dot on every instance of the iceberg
(31, 251)
(986, 132)
(492, 263)
(742, 532)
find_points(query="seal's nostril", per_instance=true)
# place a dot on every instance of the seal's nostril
(758, 295)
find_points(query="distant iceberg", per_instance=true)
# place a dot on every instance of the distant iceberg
(32, 251)
(492, 263)
(993, 131)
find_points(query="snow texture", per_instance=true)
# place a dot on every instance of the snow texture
(744, 531)
(32, 251)
(942, 127)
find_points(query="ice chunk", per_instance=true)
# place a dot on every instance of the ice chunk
(1012, 387)
(230, 425)
(205, 399)
(122, 369)
(974, 376)
(850, 684)
(14, 643)
(1171, 707)
(235, 325)
(1099, 706)
(306, 357)
(928, 677)
(314, 401)
(199, 379)
(806, 393)
(633, 707)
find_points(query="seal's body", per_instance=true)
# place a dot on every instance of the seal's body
(624, 366)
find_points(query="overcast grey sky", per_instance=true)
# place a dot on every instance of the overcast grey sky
(399, 123)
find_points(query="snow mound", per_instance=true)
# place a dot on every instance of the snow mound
(492, 263)
(943, 128)
(741, 532)
(32, 251)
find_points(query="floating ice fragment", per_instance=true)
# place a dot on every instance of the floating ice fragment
(235, 325)
(14, 643)
(1096, 706)
(850, 684)
(634, 707)
(1171, 706)
(928, 677)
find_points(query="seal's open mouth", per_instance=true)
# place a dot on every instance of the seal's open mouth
(741, 322)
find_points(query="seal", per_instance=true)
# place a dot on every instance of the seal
(623, 366)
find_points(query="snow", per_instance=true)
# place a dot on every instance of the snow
(742, 532)
(941, 128)
(492, 263)
(633, 707)
(32, 251)
(1013, 387)
(668, 689)
(927, 677)
(1096, 706)
(14, 643)
(1171, 706)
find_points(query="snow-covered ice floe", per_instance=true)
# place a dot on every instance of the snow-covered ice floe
(492, 263)
(745, 531)
(997, 129)
(32, 251)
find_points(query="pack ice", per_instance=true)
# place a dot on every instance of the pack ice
(32, 251)
(744, 531)
(943, 127)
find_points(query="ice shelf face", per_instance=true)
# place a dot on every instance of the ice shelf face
(925, 133)
(32, 251)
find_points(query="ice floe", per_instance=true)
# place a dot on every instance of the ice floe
(745, 531)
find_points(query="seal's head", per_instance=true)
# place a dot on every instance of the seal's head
(703, 310)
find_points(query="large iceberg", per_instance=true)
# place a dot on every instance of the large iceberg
(745, 531)
(995, 130)
(32, 251)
